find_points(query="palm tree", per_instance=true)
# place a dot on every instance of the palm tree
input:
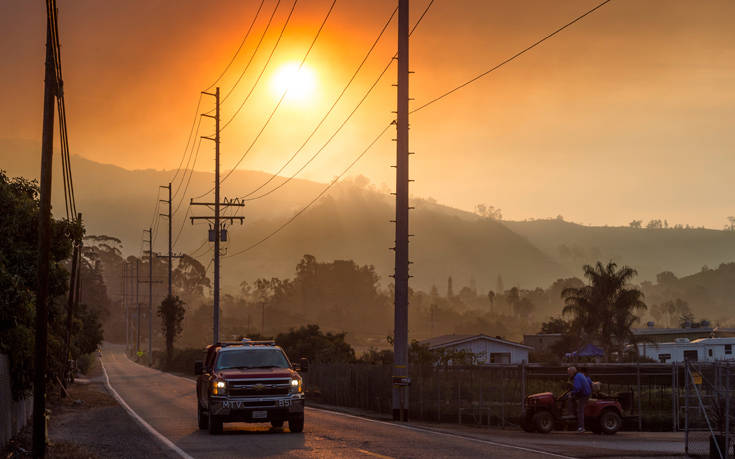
(604, 310)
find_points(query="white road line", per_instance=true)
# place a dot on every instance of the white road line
(168, 443)
(446, 434)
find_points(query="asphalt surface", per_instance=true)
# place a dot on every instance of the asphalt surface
(168, 404)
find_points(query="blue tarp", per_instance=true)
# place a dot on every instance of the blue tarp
(590, 350)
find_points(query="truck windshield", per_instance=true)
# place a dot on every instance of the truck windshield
(252, 358)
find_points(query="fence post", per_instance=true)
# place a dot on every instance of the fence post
(523, 382)
(502, 399)
(674, 424)
(459, 398)
(640, 395)
(686, 407)
(727, 408)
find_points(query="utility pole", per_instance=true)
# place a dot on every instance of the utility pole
(150, 296)
(75, 271)
(400, 339)
(124, 286)
(170, 255)
(44, 249)
(137, 301)
(215, 235)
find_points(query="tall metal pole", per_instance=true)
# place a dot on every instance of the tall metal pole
(137, 301)
(400, 342)
(170, 254)
(217, 229)
(123, 272)
(150, 296)
(44, 248)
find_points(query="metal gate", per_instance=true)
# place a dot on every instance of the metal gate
(708, 409)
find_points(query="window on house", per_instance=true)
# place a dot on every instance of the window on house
(691, 356)
(500, 357)
(728, 348)
(663, 357)
(709, 352)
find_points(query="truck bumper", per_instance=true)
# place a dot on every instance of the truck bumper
(253, 409)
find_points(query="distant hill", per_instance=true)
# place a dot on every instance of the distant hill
(351, 222)
(650, 251)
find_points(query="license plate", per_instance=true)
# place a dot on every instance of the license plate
(260, 414)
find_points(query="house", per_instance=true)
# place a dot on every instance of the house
(698, 350)
(487, 350)
(542, 341)
(668, 335)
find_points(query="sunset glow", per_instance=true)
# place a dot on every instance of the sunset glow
(300, 83)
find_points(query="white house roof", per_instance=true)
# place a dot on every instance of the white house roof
(680, 331)
(714, 341)
(452, 340)
(700, 342)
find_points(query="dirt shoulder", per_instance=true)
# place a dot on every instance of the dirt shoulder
(90, 424)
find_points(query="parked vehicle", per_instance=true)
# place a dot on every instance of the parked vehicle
(603, 415)
(249, 381)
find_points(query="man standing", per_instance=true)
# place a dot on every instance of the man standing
(580, 393)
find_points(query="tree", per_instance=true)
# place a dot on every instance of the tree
(491, 299)
(171, 311)
(636, 223)
(311, 342)
(603, 311)
(731, 220)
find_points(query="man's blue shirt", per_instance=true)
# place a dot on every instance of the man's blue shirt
(581, 385)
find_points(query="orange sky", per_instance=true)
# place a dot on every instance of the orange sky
(627, 115)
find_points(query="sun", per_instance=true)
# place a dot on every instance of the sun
(300, 83)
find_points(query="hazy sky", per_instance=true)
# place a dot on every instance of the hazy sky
(629, 114)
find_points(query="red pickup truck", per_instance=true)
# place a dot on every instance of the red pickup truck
(249, 381)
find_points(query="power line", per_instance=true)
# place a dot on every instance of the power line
(518, 54)
(265, 66)
(318, 196)
(334, 104)
(257, 48)
(375, 83)
(188, 140)
(275, 109)
(242, 43)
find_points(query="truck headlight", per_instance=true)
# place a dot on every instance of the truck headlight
(219, 388)
(296, 387)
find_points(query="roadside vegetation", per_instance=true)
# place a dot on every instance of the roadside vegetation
(18, 270)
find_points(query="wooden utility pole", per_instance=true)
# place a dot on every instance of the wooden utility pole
(150, 296)
(170, 255)
(72, 299)
(44, 249)
(215, 234)
(137, 302)
(124, 286)
(400, 339)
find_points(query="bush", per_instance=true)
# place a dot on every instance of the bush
(84, 362)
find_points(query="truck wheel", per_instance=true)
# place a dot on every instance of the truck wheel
(202, 418)
(296, 423)
(543, 421)
(215, 425)
(527, 425)
(610, 422)
(277, 423)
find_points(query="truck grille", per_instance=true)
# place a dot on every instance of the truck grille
(259, 388)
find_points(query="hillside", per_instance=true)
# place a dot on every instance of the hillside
(351, 222)
(650, 251)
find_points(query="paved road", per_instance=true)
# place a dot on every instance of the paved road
(168, 404)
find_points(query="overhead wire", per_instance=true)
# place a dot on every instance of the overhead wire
(339, 128)
(242, 43)
(280, 101)
(262, 71)
(318, 196)
(334, 104)
(513, 57)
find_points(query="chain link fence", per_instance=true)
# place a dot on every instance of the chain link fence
(493, 395)
(708, 409)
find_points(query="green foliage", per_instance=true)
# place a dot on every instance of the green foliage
(311, 342)
(18, 281)
(171, 311)
(603, 311)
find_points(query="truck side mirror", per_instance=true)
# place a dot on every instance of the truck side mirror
(304, 364)
(198, 367)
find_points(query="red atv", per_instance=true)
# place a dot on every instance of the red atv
(543, 412)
